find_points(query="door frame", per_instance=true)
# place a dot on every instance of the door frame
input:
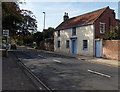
(74, 50)
(96, 40)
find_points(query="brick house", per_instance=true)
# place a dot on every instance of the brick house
(82, 34)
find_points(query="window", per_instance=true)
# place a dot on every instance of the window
(58, 44)
(102, 27)
(58, 33)
(85, 44)
(74, 31)
(67, 43)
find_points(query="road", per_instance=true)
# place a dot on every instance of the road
(67, 73)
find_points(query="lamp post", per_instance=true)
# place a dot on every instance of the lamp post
(43, 25)
(44, 21)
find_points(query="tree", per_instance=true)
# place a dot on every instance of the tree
(38, 37)
(114, 33)
(29, 24)
(48, 33)
(21, 23)
(11, 17)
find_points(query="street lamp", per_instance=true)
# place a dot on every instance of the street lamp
(43, 25)
(44, 21)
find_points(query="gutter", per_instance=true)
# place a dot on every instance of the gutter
(39, 84)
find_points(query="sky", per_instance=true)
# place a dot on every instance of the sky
(55, 10)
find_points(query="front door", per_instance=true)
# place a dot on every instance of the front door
(73, 47)
(98, 48)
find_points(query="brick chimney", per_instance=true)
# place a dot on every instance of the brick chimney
(65, 17)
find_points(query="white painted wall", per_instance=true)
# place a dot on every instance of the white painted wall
(85, 33)
(64, 35)
(82, 33)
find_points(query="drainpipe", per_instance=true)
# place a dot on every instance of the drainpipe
(94, 39)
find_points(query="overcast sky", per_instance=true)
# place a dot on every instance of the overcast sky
(55, 10)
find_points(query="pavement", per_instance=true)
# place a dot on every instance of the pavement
(13, 78)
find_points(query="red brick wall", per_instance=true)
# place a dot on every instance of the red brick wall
(111, 49)
(104, 18)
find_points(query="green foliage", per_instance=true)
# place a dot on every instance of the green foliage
(15, 19)
(11, 17)
(41, 37)
(21, 23)
(29, 23)
(114, 33)
(38, 37)
(48, 33)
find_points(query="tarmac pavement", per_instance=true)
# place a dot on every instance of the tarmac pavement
(13, 78)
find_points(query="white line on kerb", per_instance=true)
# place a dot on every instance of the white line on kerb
(56, 60)
(99, 73)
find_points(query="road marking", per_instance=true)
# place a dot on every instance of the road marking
(56, 60)
(99, 73)
(41, 56)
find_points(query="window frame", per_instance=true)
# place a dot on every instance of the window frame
(67, 44)
(85, 47)
(58, 44)
(102, 30)
(74, 32)
(58, 33)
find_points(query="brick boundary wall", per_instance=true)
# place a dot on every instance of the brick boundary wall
(111, 49)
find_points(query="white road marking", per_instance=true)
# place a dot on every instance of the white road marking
(56, 60)
(41, 56)
(99, 73)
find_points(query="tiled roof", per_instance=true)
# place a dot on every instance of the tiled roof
(84, 19)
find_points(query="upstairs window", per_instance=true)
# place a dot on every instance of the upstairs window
(85, 44)
(67, 43)
(73, 31)
(58, 44)
(102, 27)
(58, 33)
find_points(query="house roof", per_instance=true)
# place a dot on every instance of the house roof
(80, 20)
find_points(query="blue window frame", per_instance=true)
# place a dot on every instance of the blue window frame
(58, 44)
(67, 43)
(85, 44)
(74, 31)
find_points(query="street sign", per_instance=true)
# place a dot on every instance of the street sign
(5, 32)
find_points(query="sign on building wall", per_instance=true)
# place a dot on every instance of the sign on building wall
(5, 32)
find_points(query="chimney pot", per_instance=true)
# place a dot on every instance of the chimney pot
(65, 17)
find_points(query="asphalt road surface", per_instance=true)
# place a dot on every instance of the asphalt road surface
(67, 73)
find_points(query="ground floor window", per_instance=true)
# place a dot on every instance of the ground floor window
(58, 44)
(85, 44)
(67, 43)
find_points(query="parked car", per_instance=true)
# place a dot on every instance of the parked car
(13, 46)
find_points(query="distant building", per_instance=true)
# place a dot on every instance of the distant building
(82, 34)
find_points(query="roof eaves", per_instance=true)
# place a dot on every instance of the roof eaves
(75, 26)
